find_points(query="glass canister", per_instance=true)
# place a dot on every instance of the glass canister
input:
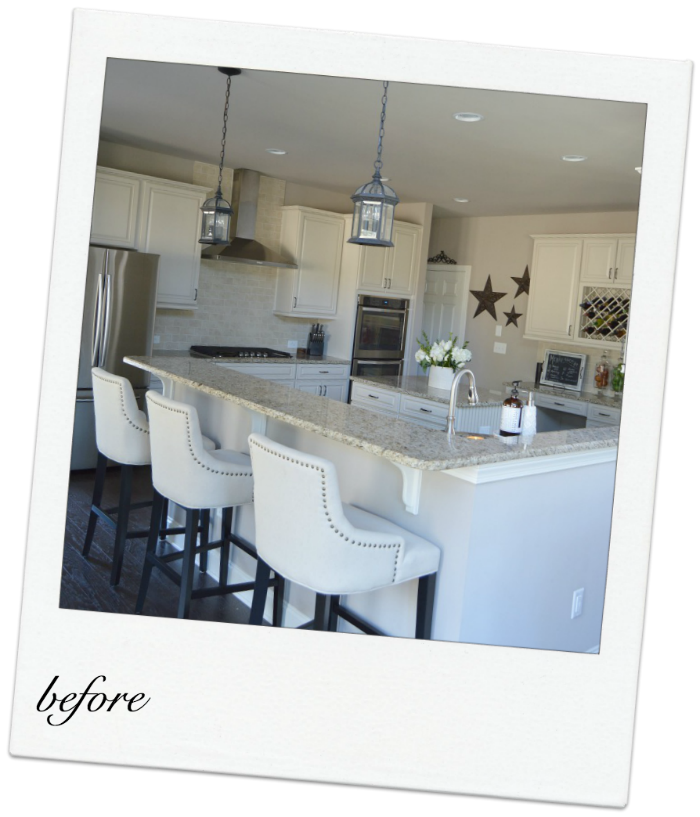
(618, 377)
(602, 373)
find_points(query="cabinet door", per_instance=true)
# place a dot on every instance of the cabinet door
(115, 210)
(553, 289)
(624, 263)
(598, 260)
(170, 224)
(402, 260)
(318, 257)
(372, 275)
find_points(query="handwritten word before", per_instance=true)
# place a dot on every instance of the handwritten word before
(95, 701)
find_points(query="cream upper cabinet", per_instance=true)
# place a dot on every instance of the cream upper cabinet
(392, 270)
(553, 288)
(115, 209)
(170, 219)
(157, 216)
(607, 259)
(314, 239)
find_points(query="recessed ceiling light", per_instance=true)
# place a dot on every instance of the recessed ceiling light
(468, 117)
(462, 201)
(639, 170)
(574, 157)
(276, 151)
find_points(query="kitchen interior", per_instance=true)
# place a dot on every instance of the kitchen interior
(514, 220)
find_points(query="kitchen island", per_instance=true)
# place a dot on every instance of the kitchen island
(505, 512)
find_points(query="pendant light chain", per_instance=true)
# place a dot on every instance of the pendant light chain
(378, 161)
(223, 132)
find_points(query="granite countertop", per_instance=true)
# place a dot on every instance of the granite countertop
(401, 442)
(417, 386)
(313, 359)
(581, 396)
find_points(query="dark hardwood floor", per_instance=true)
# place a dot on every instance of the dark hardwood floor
(85, 582)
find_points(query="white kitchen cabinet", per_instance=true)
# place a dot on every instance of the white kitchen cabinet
(607, 259)
(115, 209)
(381, 401)
(170, 216)
(602, 416)
(153, 215)
(325, 380)
(389, 270)
(553, 289)
(333, 390)
(314, 239)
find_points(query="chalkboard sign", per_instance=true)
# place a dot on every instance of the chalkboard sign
(563, 370)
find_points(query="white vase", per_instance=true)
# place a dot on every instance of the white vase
(440, 377)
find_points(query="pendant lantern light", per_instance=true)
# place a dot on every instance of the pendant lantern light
(373, 217)
(216, 211)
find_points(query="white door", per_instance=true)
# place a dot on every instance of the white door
(445, 301)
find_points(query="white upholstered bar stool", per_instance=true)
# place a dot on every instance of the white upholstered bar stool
(186, 473)
(304, 532)
(122, 435)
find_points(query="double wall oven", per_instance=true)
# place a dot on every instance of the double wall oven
(380, 336)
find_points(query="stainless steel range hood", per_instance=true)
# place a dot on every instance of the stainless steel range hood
(244, 249)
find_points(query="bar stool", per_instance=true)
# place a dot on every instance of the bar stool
(304, 532)
(122, 435)
(185, 473)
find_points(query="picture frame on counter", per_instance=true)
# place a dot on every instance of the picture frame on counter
(447, 717)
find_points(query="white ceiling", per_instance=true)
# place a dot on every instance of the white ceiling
(508, 164)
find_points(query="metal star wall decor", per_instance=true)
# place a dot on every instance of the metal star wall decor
(513, 316)
(487, 298)
(523, 283)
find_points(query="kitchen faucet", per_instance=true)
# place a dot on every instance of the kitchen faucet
(472, 397)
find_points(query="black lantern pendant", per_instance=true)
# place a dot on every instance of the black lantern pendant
(216, 211)
(373, 217)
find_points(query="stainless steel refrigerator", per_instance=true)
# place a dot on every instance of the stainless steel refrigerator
(118, 319)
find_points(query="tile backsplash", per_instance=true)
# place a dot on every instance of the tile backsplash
(236, 300)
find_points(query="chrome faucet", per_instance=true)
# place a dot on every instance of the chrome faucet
(472, 397)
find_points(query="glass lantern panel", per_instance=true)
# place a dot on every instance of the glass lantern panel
(370, 220)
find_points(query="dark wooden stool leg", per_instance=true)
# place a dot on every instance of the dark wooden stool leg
(322, 611)
(204, 540)
(122, 523)
(156, 511)
(191, 524)
(100, 473)
(278, 602)
(262, 579)
(333, 615)
(424, 607)
(225, 550)
(163, 522)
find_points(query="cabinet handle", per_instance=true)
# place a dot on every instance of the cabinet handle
(615, 275)
(610, 275)
(324, 390)
(383, 283)
(196, 292)
(389, 281)
(294, 305)
(373, 396)
(569, 332)
(427, 411)
(603, 414)
(323, 371)
(559, 404)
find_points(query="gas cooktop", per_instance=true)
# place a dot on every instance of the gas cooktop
(236, 351)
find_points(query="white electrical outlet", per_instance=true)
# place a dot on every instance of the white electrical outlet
(577, 603)
(499, 330)
(156, 339)
(500, 348)
(292, 344)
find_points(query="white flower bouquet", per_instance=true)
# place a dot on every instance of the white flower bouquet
(447, 354)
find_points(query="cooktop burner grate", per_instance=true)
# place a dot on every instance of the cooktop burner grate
(237, 351)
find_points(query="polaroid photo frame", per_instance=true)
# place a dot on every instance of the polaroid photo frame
(429, 716)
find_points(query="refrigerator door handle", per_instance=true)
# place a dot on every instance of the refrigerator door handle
(97, 321)
(108, 320)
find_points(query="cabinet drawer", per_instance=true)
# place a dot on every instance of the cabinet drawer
(603, 414)
(426, 410)
(317, 371)
(550, 401)
(373, 397)
(267, 371)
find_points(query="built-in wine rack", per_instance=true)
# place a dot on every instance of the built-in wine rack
(604, 314)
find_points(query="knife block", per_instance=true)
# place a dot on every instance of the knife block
(314, 348)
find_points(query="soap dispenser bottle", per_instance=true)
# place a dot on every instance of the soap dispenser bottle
(529, 424)
(511, 413)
